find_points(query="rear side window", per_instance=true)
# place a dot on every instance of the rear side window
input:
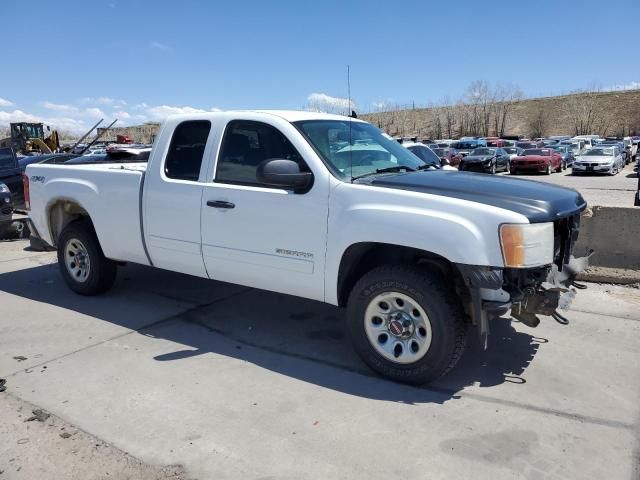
(187, 149)
(246, 145)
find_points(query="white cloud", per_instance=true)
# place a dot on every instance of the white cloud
(59, 107)
(321, 102)
(94, 112)
(160, 112)
(103, 101)
(63, 124)
(5, 103)
(121, 115)
(628, 86)
(160, 46)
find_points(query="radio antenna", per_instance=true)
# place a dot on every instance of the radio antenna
(349, 113)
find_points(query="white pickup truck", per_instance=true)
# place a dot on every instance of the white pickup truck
(327, 208)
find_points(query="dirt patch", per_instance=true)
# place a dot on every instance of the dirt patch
(52, 448)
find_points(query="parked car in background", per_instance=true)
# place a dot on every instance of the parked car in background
(6, 206)
(47, 158)
(589, 140)
(566, 153)
(559, 138)
(625, 148)
(465, 147)
(129, 155)
(95, 151)
(448, 155)
(486, 160)
(11, 176)
(427, 155)
(602, 159)
(496, 142)
(577, 146)
(537, 160)
(513, 151)
(525, 144)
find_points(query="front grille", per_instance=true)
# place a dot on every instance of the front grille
(565, 236)
(6, 209)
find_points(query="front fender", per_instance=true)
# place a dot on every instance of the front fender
(460, 231)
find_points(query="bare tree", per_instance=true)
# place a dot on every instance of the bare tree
(504, 99)
(449, 114)
(538, 121)
(583, 111)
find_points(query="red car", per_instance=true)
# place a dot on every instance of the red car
(449, 155)
(542, 160)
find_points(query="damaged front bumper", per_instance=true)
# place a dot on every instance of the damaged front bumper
(526, 292)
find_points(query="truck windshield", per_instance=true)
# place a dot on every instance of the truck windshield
(354, 149)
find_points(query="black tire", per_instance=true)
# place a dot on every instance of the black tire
(507, 167)
(493, 169)
(102, 271)
(548, 170)
(513, 171)
(445, 315)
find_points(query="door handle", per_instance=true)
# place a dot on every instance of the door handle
(220, 204)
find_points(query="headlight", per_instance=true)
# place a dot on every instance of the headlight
(4, 188)
(527, 245)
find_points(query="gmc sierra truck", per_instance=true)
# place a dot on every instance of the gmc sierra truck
(323, 207)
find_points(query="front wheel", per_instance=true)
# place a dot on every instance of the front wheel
(548, 170)
(405, 324)
(82, 263)
(493, 169)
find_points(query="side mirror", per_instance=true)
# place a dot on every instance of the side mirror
(284, 173)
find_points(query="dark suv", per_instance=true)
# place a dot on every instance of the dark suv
(11, 176)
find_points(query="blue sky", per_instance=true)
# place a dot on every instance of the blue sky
(74, 61)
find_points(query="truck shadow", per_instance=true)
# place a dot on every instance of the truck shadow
(291, 336)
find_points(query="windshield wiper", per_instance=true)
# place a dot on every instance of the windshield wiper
(396, 168)
(427, 166)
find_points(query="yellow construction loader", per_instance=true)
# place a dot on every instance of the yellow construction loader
(27, 138)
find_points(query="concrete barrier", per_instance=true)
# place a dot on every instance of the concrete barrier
(613, 233)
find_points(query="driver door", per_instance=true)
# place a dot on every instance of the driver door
(259, 235)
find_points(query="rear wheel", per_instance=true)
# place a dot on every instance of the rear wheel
(82, 263)
(405, 325)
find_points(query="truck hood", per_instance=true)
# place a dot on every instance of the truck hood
(539, 202)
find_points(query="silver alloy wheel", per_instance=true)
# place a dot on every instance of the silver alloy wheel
(397, 327)
(76, 260)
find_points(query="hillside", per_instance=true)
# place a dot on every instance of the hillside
(605, 113)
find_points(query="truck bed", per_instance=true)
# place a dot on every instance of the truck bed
(110, 193)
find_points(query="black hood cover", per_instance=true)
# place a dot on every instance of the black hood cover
(538, 201)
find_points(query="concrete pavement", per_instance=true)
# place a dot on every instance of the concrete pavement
(239, 383)
(603, 190)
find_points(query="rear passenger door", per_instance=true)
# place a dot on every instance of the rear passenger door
(172, 197)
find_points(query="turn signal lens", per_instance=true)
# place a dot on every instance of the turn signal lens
(527, 245)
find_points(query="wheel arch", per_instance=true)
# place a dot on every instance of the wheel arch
(360, 258)
(61, 212)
